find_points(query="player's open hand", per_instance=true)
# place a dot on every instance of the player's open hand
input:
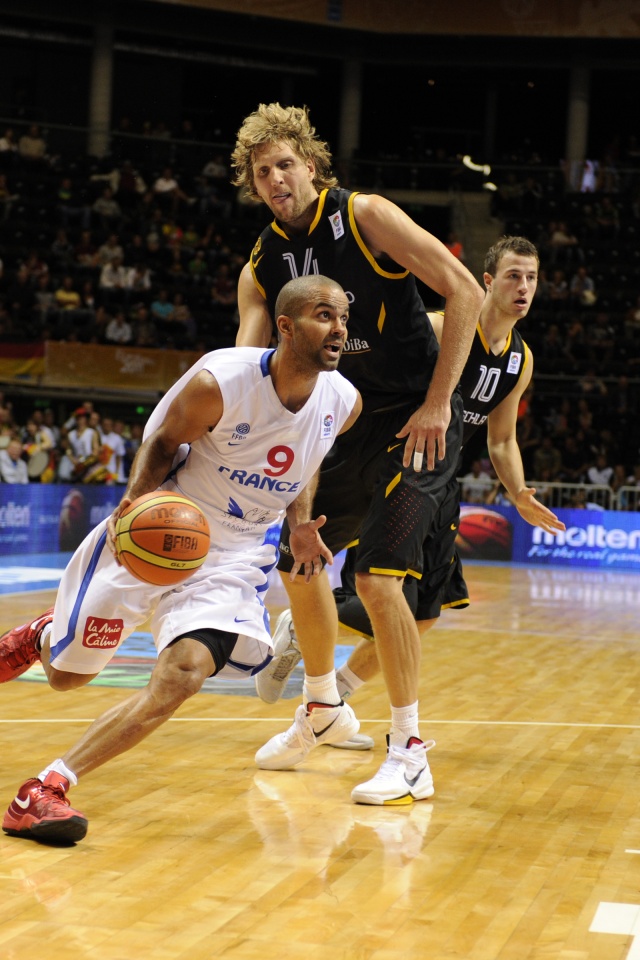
(111, 525)
(426, 431)
(308, 549)
(536, 513)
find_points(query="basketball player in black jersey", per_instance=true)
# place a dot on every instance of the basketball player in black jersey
(495, 376)
(375, 487)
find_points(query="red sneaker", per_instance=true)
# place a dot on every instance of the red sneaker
(41, 811)
(18, 647)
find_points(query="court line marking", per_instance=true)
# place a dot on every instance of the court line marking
(426, 722)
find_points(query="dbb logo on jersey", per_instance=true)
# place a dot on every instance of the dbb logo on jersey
(104, 634)
(515, 360)
(336, 225)
(328, 425)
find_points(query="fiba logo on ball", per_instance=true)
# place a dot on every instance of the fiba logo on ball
(162, 538)
(484, 534)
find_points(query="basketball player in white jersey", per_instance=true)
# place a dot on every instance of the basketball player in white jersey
(242, 434)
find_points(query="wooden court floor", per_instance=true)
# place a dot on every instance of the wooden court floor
(529, 850)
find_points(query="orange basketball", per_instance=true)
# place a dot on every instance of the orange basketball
(162, 537)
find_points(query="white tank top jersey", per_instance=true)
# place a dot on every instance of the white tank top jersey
(243, 474)
(257, 459)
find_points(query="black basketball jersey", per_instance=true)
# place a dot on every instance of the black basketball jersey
(487, 379)
(391, 348)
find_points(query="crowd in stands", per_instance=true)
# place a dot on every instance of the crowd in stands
(88, 447)
(144, 248)
(112, 252)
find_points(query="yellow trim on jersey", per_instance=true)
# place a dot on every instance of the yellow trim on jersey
(275, 226)
(396, 573)
(354, 543)
(372, 260)
(257, 282)
(382, 318)
(486, 345)
(316, 219)
(394, 483)
(254, 260)
(527, 356)
(277, 229)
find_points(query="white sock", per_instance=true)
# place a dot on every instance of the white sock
(321, 689)
(347, 682)
(404, 724)
(44, 633)
(59, 767)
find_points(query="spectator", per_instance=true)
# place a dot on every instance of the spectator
(119, 330)
(86, 252)
(66, 296)
(71, 205)
(13, 468)
(110, 250)
(551, 351)
(45, 307)
(575, 344)
(476, 484)
(139, 282)
(582, 289)
(144, 329)
(198, 268)
(62, 251)
(72, 314)
(591, 385)
(8, 149)
(107, 210)
(558, 290)
(82, 448)
(601, 340)
(547, 457)
(7, 197)
(161, 308)
(113, 451)
(113, 283)
(600, 472)
(563, 245)
(168, 193)
(32, 146)
(21, 301)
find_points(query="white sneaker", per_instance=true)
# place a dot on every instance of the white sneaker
(403, 777)
(271, 681)
(322, 724)
(359, 741)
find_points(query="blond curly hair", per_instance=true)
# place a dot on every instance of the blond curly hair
(272, 123)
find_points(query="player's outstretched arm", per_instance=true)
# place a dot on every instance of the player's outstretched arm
(507, 460)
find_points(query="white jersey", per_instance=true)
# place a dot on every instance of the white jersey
(254, 463)
(244, 473)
